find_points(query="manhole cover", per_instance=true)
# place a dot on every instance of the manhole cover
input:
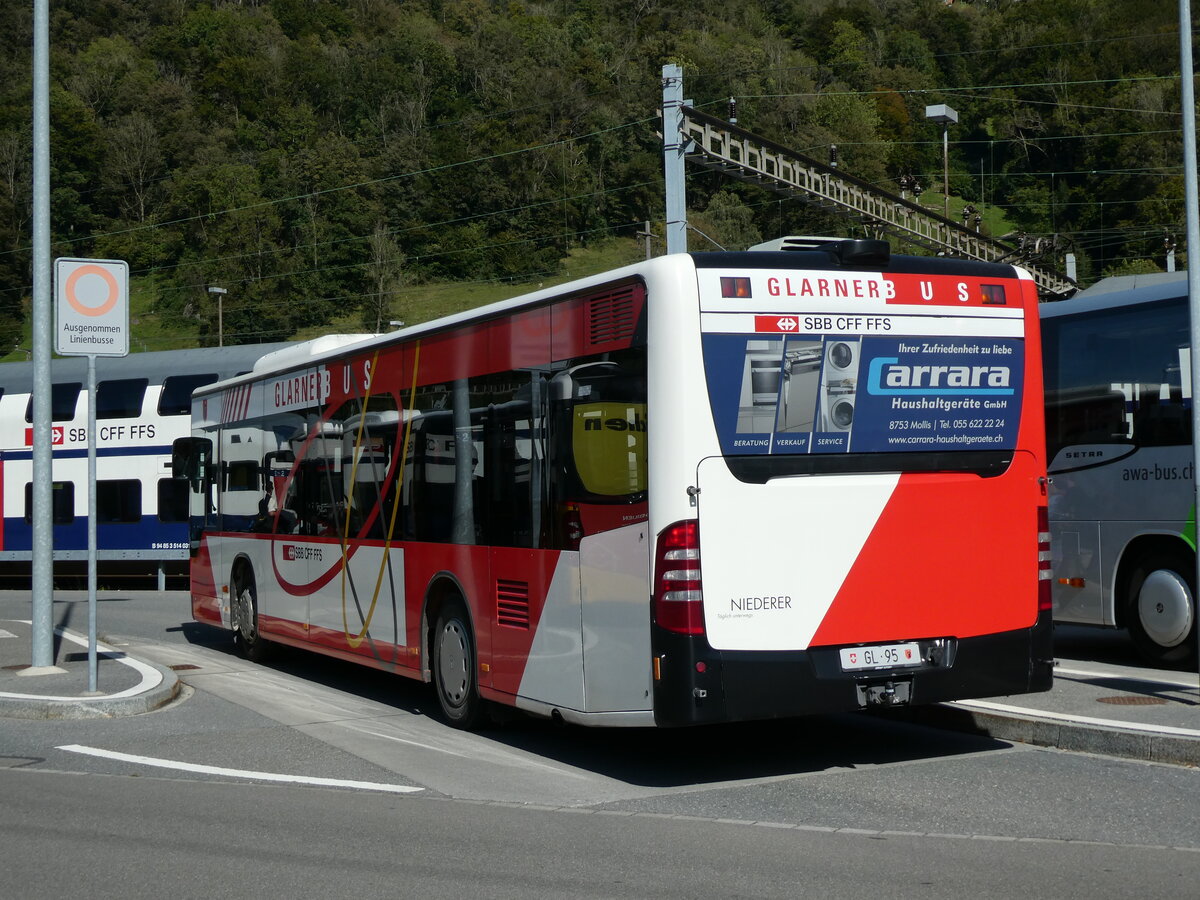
(1132, 700)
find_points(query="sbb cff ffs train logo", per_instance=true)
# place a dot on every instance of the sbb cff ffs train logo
(60, 435)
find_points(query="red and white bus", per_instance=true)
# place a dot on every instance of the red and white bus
(704, 488)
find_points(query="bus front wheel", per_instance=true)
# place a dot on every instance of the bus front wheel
(454, 667)
(246, 638)
(1161, 611)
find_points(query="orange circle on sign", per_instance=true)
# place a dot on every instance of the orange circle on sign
(107, 305)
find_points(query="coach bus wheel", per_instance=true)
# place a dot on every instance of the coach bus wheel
(1161, 610)
(454, 667)
(249, 643)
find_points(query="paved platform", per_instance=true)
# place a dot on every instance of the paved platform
(1097, 707)
(124, 686)
(1125, 711)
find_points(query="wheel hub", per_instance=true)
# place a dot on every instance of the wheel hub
(452, 662)
(243, 616)
(1165, 608)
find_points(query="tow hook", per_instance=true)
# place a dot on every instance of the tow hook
(889, 693)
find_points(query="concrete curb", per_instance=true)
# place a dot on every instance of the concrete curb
(156, 687)
(100, 707)
(1064, 733)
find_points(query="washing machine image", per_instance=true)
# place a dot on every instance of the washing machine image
(841, 358)
(839, 380)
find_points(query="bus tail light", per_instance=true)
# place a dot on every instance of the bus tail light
(678, 598)
(1045, 604)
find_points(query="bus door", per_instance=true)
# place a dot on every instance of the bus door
(535, 591)
(366, 598)
(313, 508)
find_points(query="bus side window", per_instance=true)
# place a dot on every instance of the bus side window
(513, 437)
(429, 482)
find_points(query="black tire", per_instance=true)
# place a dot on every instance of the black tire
(243, 613)
(454, 667)
(1160, 608)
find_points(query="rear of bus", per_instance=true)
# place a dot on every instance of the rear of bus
(849, 506)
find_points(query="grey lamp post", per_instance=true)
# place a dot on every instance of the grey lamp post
(947, 117)
(220, 294)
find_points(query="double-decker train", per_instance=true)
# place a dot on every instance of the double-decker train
(143, 403)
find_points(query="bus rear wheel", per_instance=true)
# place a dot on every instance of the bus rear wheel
(454, 667)
(1161, 608)
(250, 644)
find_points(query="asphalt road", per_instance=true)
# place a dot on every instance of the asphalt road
(846, 806)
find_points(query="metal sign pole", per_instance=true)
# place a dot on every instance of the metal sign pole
(91, 529)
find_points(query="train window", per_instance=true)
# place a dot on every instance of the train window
(62, 502)
(119, 501)
(120, 398)
(63, 398)
(172, 500)
(176, 396)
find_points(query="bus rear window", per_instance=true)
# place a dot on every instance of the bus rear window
(845, 393)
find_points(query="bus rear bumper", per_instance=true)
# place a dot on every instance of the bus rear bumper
(698, 684)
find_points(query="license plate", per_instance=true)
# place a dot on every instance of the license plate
(882, 656)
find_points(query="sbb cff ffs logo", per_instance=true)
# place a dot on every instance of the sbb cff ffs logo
(293, 552)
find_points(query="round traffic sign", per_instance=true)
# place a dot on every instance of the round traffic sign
(89, 296)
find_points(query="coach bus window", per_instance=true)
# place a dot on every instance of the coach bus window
(62, 502)
(172, 500)
(176, 396)
(63, 399)
(119, 501)
(1119, 377)
(120, 398)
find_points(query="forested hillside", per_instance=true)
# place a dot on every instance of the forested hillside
(314, 157)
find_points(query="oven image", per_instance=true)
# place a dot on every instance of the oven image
(761, 381)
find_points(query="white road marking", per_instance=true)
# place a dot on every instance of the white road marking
(1086, 720)
(4, 634)
(239, 773)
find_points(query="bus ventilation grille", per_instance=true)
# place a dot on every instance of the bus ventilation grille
(611, 317)
(512, 604)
